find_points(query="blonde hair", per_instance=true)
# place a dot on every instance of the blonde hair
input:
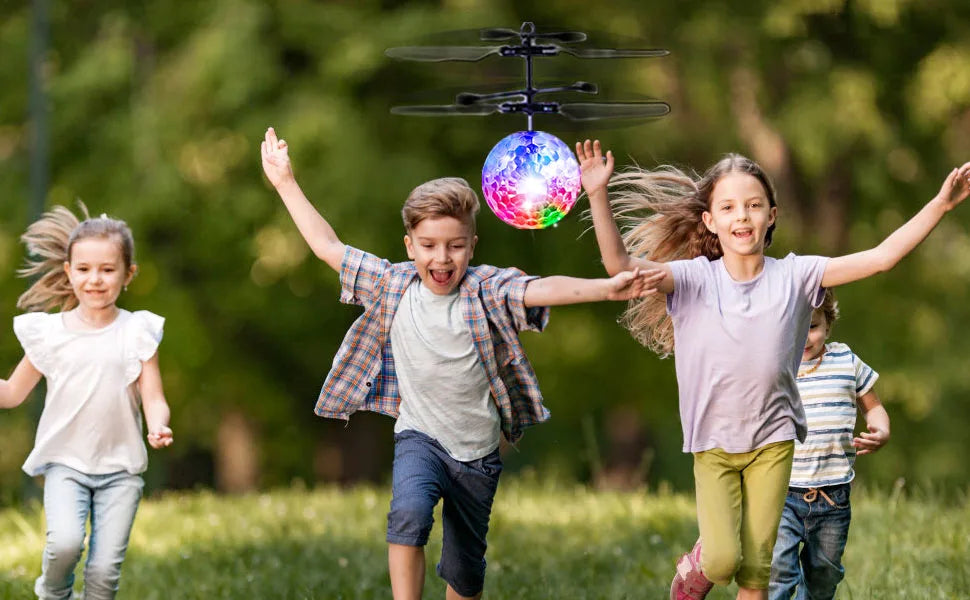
(674, 230)
(444, 197)
(49, 241)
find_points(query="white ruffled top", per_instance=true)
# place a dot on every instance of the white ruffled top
(92, 413)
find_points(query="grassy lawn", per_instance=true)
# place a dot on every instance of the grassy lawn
(546, 541)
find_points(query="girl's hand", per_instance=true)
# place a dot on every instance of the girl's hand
(161, 438)
(634, 284)
(956, 187)
(869, 441)
(276, 159)
(595, 170)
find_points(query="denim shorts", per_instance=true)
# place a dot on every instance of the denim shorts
(423, 472)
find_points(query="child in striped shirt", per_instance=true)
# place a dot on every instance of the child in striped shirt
(833, 383)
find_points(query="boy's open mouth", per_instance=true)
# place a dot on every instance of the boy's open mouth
(440, 277)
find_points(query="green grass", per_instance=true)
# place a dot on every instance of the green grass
(546, 541)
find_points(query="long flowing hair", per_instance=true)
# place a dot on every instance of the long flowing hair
(660, 213)
(49, 241)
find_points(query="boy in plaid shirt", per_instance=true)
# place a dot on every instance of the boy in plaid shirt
(437, 348)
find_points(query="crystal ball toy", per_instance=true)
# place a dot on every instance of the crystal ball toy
(530, 179)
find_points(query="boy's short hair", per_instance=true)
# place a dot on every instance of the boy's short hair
(444, 197)
(829, 307)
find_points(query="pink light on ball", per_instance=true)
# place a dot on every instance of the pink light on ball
(530, 179)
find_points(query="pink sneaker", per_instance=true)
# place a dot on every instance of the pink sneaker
(689, 583)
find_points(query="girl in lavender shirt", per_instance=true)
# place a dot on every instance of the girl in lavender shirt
(740, 320)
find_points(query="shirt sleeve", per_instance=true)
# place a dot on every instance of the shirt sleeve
(865, 377)
(360, 276)
(508, 287)
(688, 278)
(144, 334)
(31, 331)
(809, 271)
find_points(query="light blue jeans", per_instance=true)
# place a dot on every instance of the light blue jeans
(69, 498)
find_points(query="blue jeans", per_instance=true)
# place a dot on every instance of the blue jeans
(821, 529)
(69, 498)
(423, 473)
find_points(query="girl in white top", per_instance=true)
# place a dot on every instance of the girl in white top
(101, 366)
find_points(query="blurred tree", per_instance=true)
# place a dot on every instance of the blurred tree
(858, 110)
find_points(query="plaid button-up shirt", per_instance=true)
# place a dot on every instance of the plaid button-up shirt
(493, 306)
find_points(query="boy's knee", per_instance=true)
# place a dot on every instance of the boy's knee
(409, 522)
(463, 572)
(720, 565)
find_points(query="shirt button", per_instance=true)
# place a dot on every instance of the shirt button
(368, 384)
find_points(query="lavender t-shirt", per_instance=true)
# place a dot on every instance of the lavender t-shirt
(737, 346)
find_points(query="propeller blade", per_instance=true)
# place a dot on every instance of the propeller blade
(497, 34)
(445, 109)
(441, 53)
(564, 37)
(588, 111)
(611, 53)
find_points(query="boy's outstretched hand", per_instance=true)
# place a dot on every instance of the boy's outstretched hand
(868, 442)
(595, 170)
(956, 187)
(634, 284)
(276, 159)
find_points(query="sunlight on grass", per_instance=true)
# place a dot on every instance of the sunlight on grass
(546, 541)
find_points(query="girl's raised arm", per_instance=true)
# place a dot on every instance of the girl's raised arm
(317, 232)
(853, 267)
(153, 404)
(596, 170)
(15, 390)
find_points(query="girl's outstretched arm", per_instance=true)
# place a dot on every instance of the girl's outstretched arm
(153, 404)
(853, 267)
(596, 171)
(313, 227)
(559, 289)
(877, 425)
(15, 390)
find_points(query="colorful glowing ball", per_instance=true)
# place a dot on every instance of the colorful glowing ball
(530, 179)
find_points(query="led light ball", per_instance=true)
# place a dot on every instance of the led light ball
(530, 179)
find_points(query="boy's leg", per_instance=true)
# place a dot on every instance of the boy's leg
(67, 501)
(113, 508)
(786, 573)
(764, 483)
(465, 515)
(417, 474)
(825, 543)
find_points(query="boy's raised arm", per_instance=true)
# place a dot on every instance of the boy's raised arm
(313, 227)
(559, 289)
(596, 170)
(853, 267)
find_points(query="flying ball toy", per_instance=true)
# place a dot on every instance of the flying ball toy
(530, 179)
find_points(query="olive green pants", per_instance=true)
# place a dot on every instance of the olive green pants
(739, 502)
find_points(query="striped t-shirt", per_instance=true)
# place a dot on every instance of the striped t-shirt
(829, 394)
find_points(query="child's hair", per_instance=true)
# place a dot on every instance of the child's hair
(829, 307)
(49, 241)
(444, 197)
(674, 231)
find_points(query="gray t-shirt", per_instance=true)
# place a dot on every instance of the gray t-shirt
(737, 346)
(444, 388)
